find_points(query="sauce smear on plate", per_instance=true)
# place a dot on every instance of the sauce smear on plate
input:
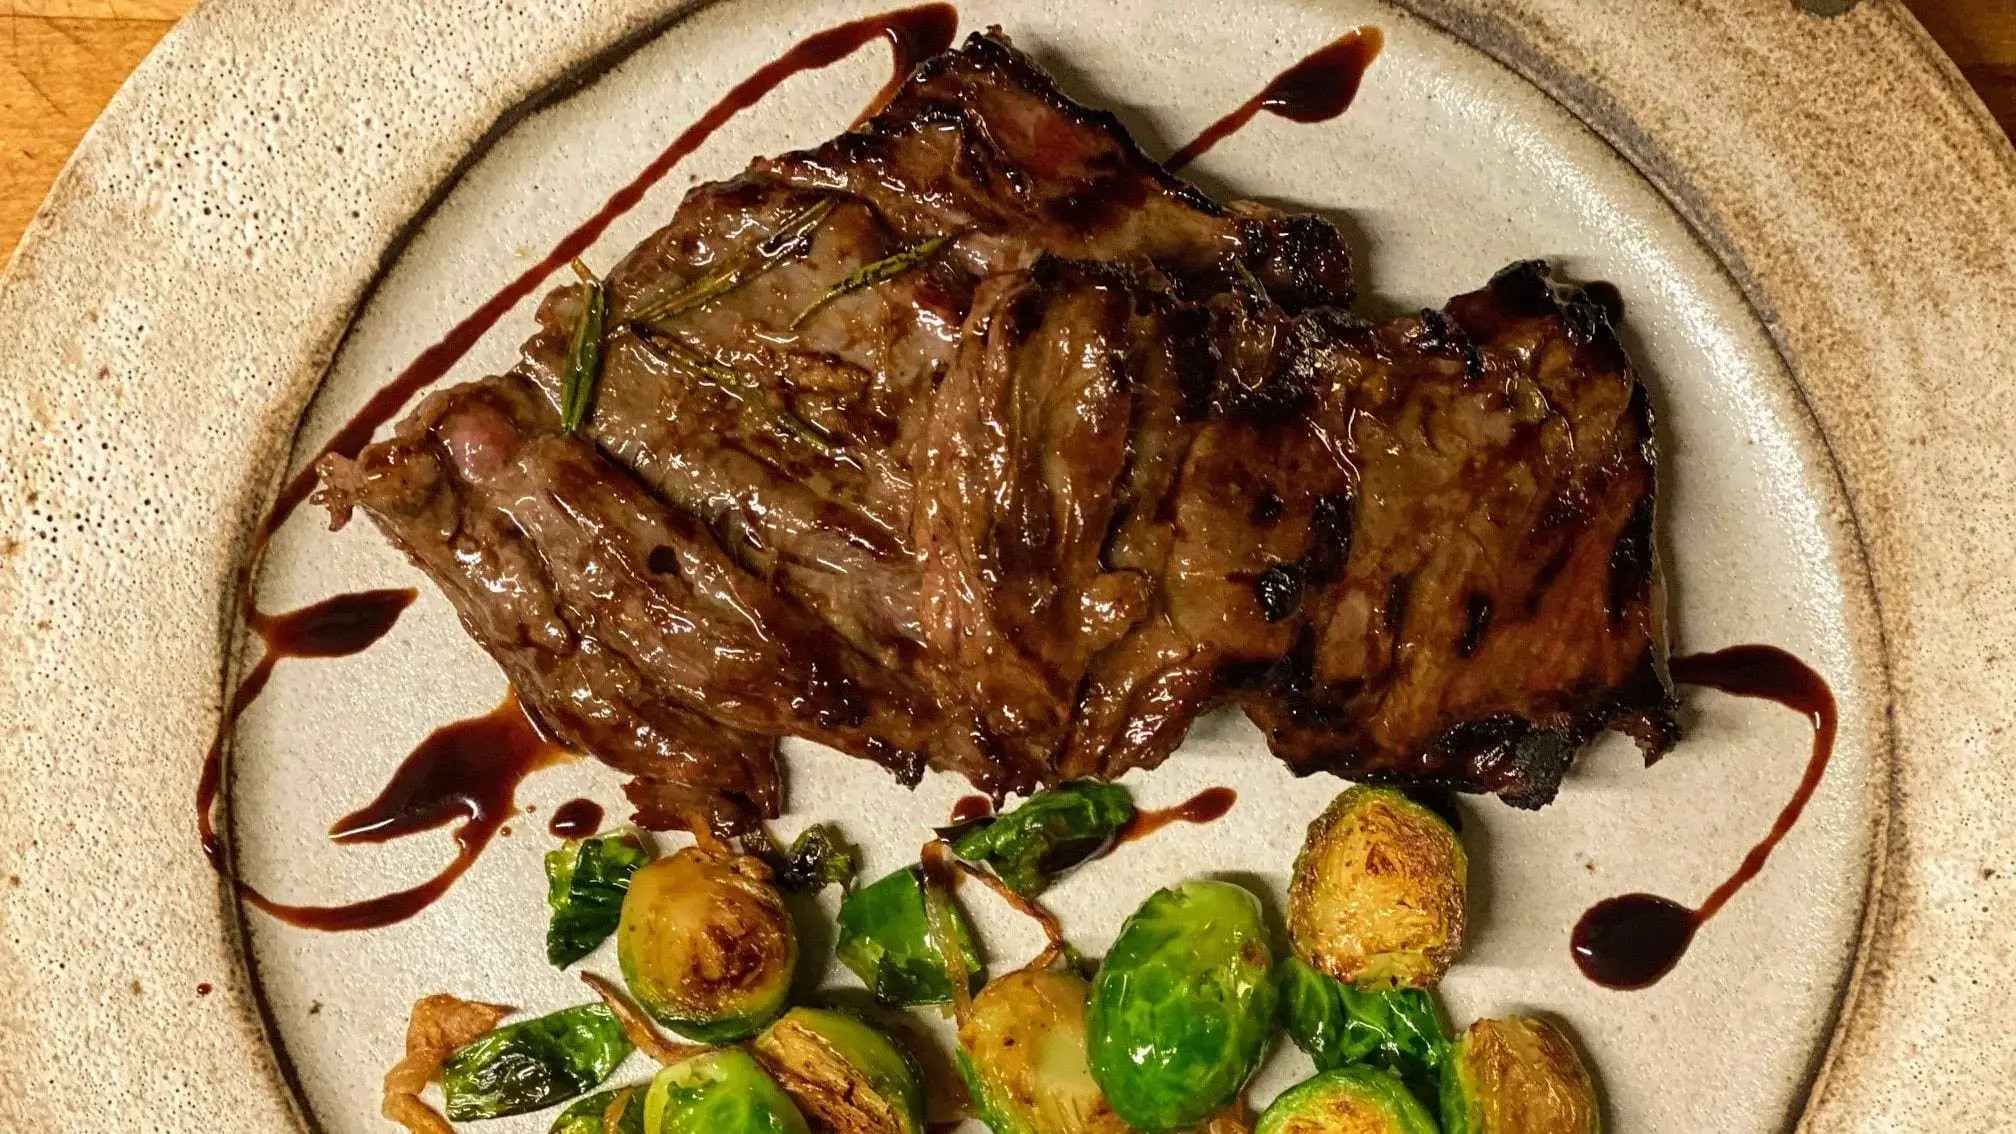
(333, 628)
(1633, 940)
(1317, 89)
(468, 770)
(1207, 806)
(575, 819)
(971, 809)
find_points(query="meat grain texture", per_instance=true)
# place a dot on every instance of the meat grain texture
(1079, 454)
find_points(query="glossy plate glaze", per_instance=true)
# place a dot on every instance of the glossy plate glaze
(209, 267)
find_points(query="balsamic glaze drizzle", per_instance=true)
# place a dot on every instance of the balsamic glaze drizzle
(1632, 940)
(1318, 88)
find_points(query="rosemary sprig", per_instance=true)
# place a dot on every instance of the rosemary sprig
(868, 275)
(584, 354)
(1246, 277)
(677, 352)
(665, 300)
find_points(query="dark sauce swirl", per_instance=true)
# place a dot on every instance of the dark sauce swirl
(1633, 940)
(1320, 87)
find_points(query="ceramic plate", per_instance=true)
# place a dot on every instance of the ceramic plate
(1806, 216)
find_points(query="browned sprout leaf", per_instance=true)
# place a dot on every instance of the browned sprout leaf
(440, 1024)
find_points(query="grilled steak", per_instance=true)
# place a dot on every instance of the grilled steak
(978, 149)
(973, 438)
(624, 626)
(1417, 551)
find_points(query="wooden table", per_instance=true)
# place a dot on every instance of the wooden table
(60, 61)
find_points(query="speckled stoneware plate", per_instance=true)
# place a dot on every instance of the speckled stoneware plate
(1809, 219)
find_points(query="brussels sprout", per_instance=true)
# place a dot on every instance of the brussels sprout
(706, 945)
(817, 858)
(585, 883)
(590, 1113)
(1022, 1054)
(886, 939)
(1349, 1100)
(846, 1077)
(1398, 1029)
(1517, 1076)
(531, 1065)
(1183, 1005)
(1054, 831)
(720, 1092)
(1377, 895)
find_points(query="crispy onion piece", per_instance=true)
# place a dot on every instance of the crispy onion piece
(439, 1024)
(644, 1035)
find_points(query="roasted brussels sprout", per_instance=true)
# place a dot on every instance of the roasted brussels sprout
(1349, 1100)
(846, 1077)
(1022, 1054)
(1517, 1076)
(816, 859)
(531, 1065)
(885, 937)
(1398, 1029)
(1052, 832)
(1377, 896)
(706, 945)
(585, 883)
(720, 1092)
(591, 1114)
(1183, 1005)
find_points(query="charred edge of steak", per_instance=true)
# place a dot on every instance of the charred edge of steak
(1527, 289)
(992, 55)
(1301, 260)
(1518, 760)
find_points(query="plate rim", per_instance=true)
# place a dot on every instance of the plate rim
(1534, 38)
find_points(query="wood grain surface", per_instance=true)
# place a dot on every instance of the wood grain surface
(60, 61)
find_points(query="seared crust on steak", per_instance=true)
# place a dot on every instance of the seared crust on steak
(1500, 604)
(1415, 551)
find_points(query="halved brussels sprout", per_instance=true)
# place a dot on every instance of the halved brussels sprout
(1183, 1005)
(1398, 1029)
(1022, 1054)
(1517, 1076)
(531, 1065)
(591, 1114)
(720, 1092)
(1378, 891)
(846, 1077)
(885, 937)
(1049, 834)
(1349, 1100)
(706, 945)
(585, 883)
